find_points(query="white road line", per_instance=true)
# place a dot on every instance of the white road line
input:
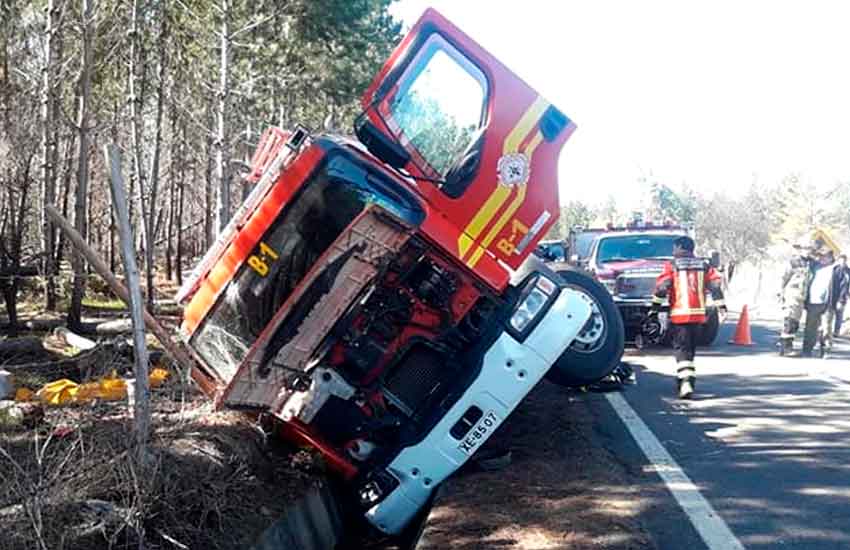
(710, 526)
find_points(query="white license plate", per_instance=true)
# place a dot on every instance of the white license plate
(479, 433)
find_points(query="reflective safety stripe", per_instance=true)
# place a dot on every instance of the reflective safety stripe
(689, 294)
(701, 288)
(686, 370)
(683, 292)
(688, 311)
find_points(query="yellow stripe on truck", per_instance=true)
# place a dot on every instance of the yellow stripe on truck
(512, 209)
(523, 127)
(482, 218)
(500, 194)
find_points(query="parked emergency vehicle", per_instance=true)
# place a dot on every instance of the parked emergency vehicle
(627, 260)
(376, 299)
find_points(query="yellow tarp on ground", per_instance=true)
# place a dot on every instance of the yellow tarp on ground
(64, 391)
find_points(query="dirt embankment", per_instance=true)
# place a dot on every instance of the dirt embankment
(563, 490)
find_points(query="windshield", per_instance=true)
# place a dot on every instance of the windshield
(437, 105)
(306, 228)
(635, 247)
(583, 242)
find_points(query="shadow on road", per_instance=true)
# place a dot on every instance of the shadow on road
(769, 451)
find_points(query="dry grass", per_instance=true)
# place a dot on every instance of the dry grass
(213, 480)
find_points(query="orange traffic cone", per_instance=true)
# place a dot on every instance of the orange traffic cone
(742, 332)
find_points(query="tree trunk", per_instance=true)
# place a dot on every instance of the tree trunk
(136, 126)
(153, 216)
(180, 198)
(10, 292)
(178, 262)
(48, 149)
(169, 227)
(66, 196)
(75, 311)
(222, 149)
(12, 230)
(209, 206)
(7, 270)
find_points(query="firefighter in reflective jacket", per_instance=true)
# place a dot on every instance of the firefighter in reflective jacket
(685, 282)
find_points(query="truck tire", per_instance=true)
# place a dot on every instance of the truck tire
(708, 331)
(599, 346)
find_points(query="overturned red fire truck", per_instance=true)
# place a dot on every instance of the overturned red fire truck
(376, 297)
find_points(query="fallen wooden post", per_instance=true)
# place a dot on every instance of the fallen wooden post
(174, 349)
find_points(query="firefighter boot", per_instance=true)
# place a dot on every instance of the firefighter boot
(786, 339)
(687, 379)
(786, 345)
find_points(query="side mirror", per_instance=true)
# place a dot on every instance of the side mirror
(715, 259)
(461, 174)
(380, 145)
(574, 258)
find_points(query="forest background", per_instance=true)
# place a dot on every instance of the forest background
(186, 87)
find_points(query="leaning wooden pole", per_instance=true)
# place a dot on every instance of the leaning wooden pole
(141, 396)
(174, 350)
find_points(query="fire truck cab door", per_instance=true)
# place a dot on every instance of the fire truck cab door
(484, 145)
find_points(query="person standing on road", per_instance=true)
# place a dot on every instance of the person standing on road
(818, 300)
(685, 281)
(841, 292)
(795, 289)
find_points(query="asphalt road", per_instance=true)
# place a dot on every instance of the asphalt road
(765, 445)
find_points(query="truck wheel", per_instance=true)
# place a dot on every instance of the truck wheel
(599, 346)
(708, 331)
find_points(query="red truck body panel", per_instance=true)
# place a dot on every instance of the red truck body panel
(500, 217)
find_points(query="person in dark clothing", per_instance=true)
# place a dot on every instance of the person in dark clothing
(818, 303)
(841, 292)
(684, 282)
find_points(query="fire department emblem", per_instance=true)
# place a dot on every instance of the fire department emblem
(513, 169)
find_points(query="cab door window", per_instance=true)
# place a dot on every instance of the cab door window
(437, 106)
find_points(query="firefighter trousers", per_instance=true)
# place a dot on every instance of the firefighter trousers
(792, 312)
(811, 333)
(684, 348)
(827, 323)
